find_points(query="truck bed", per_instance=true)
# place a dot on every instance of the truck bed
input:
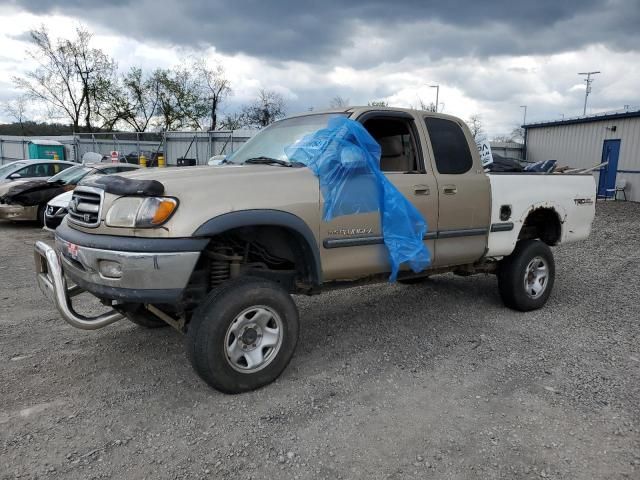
(571, 196)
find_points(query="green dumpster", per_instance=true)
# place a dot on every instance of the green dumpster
(46, 149)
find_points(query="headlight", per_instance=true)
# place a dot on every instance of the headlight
(140, 212)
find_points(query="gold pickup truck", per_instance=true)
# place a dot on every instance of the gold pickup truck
(217, 251)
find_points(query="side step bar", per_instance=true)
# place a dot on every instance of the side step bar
(54, 286)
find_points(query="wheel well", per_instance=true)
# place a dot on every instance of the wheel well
(543, 223)
(278, 253)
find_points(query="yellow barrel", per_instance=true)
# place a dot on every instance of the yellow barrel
(143, 161)
(161, 163)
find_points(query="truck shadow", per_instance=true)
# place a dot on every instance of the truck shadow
(19, 226)
(443, 310)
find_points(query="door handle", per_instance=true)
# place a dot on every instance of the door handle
(421, 190)
(449, 189)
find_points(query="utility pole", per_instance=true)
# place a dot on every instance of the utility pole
(437, 87)
(587, 91)
(524, 119)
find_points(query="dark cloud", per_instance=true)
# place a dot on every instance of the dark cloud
(316, 32)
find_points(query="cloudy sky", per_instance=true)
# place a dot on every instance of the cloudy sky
(488, 57)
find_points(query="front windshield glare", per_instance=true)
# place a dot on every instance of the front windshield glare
(272, 141)
(71, 176)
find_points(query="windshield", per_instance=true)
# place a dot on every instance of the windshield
(5, 169)
(71, 176)
(272, 141)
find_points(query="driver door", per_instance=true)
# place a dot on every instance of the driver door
(352, 245)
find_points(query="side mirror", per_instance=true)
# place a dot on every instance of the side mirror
(14, 176)
(352, 157)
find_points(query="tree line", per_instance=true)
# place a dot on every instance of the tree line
(82, 85)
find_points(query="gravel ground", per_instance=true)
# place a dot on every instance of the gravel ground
(390, 381)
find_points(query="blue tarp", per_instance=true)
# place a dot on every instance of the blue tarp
(346, 160)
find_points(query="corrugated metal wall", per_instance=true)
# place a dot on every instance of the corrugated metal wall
(198, 145)
(580, 145)
(508, 149)
(13, 147)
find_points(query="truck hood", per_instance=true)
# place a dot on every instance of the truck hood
(207, 192)
(179, 181)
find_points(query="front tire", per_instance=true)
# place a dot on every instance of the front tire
(40, 215)
(526, 277)
(243, 335)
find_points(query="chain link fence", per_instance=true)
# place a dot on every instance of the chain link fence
(194, 148)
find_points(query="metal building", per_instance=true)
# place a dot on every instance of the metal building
(590, 140)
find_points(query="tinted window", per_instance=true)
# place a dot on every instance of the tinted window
(55, 168)
(450, 147)
(34, 170)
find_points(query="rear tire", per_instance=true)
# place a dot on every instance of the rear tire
(526, 277)
(243, 335)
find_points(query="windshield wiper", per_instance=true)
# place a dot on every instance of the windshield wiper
(268, 161)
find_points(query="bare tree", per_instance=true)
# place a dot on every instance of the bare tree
(136, 98)
(179, 103)
(266, 109)
(475, 125)
(517, 134)
(502, 138)
(233, 121)
(16, 110)
(427, 107)
(216, 86)
(68, 76)
(339, 102)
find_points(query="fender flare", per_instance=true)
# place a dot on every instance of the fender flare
(266, 218)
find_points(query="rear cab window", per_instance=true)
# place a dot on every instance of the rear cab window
(450, 147)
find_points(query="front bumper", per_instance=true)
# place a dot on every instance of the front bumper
(18, 212)
(132, 276)
(53, 284)
(155, 277)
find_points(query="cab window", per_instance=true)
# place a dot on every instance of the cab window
(449, 145)
(397, 142)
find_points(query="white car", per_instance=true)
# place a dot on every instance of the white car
(29, 169)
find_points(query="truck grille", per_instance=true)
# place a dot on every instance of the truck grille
(85, 206)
